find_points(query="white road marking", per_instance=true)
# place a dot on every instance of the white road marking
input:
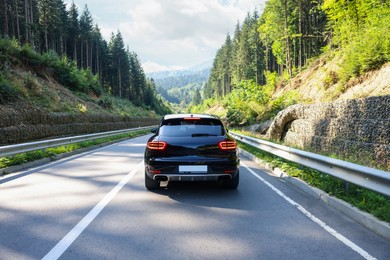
(67, 240)
(322, 224)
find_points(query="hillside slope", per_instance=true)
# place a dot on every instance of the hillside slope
(322, 82)
(26, 88)
(37, 107)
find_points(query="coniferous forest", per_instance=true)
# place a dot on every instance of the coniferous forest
(264, 51)
(46, 32)
(269, 49)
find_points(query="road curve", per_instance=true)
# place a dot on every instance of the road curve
(95, 206)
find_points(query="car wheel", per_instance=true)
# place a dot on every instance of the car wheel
(232, 183)
(151, 184)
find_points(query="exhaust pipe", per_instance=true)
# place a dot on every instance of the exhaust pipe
(160, 178)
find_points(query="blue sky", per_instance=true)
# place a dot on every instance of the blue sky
(170, 34)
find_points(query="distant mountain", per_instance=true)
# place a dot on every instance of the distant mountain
(178, 86)
(200, 69)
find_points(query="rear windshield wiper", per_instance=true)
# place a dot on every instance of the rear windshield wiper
(197, 135)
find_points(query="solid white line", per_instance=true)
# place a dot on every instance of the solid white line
(66, 241)
(322, 224)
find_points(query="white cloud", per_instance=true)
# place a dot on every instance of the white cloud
(171, 32)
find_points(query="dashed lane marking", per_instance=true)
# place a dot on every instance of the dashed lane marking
(72, 235)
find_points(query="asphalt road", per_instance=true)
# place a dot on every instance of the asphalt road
(95, 206)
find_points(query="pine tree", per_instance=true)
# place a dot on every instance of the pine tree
(86, 25)
(74, 31)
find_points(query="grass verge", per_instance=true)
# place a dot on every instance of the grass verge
(50, 152)
(369, 201)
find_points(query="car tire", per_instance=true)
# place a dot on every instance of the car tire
(232, 183)
(151, 184)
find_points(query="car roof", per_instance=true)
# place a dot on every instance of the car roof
(174, 116)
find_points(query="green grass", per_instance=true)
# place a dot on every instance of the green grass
(366, 200)
(50, 152)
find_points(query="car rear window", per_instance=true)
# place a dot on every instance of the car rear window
(191, 127)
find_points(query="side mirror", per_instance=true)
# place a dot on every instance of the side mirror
(154, 130)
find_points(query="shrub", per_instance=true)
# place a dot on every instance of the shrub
(106, 103)
(30, 56)
(7, 92)
(51, 59)
(9, 46)
(32, 85)
(235, 117)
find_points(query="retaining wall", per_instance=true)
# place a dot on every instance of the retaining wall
(357, 128)
(18, 126)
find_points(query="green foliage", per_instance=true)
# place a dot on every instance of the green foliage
(50, 59)
(249, 102)
(64, 70)
(330, 79)
(361, 30)
(32, 85)
(278, 49)
(29, 56)
(242, 103)
(204, 106)
(68, 47)
(236, 117)
(91, 82)
(120, 106)
(106, 103)
(179, 86)
(185, 94)
(7, 92)
(9, 46)
(264, 50)
(281, 102)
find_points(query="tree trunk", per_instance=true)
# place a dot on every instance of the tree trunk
(90, 55)
(287, 36)
(300, 38)
(45, 28)
(97, 71)
(75, 50)
(17, 21)
(32, 34)
(6, 28)
(81, 54)
(87, 53)
(119, 79)
(26, 14)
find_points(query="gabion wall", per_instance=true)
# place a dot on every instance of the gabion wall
(21, 126)
(357, 128)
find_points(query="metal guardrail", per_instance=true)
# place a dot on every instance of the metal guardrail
(370, 178)
(32, 146)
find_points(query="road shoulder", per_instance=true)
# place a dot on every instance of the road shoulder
(372, 223)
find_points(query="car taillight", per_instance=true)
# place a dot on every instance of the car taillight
(157, 145)
(227, 145)
(191, 118)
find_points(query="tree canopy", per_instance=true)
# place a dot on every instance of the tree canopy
(48, 26)
(283, 39)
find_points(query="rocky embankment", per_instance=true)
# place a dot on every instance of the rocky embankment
(358, 129)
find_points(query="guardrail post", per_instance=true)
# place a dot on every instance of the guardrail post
(346, 186)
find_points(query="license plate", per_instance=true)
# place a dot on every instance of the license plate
(193, 168)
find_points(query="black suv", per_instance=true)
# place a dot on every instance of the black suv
(188, 147)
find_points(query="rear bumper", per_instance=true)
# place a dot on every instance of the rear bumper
(192, 177)
(168, 169)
